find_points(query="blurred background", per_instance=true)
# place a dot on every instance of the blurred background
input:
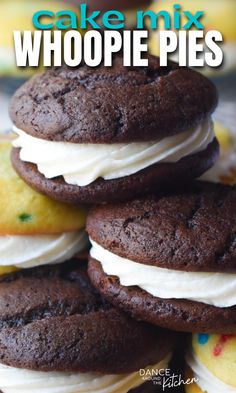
(219, 15)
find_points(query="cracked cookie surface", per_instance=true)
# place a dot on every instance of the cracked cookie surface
(113, 105)
(52, 319)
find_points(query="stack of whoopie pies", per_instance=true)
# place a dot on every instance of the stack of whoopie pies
(57, 334)
(163, 246)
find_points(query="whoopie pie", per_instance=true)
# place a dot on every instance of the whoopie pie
(113, 133)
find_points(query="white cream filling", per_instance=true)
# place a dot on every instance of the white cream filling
(217, 289)
(30, 251)
(81, 164)
(207, 382)
(13, 380)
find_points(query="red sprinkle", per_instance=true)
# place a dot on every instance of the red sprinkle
(221, 343)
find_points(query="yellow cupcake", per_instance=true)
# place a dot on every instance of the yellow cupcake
(26, 212)
(7, 269)
(213, 362)
(224, 137)
(218, 354)
(218, 15)
(17, 15)
(224, 171)
(34, 229)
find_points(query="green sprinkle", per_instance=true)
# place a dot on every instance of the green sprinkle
(25, 217)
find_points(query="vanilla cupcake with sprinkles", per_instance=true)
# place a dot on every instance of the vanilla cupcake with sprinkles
(34, 230)
(212, 362)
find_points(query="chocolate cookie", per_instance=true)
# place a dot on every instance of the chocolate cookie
(122, 130)
(180, 315)
(52, 319)
(170, 259)
(113, 104)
